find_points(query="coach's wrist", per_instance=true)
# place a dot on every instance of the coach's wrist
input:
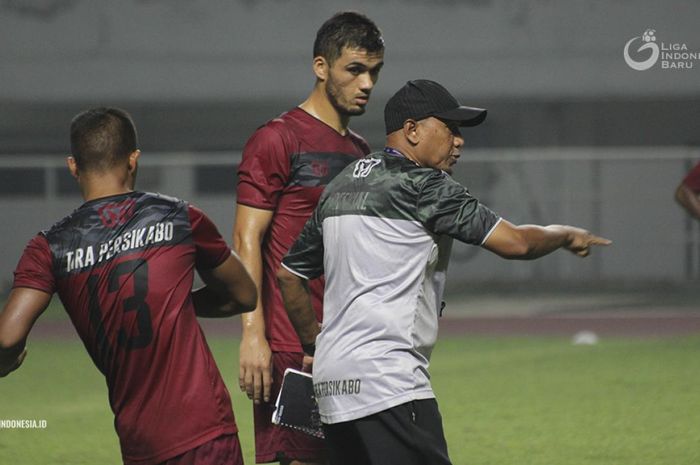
(309, 349)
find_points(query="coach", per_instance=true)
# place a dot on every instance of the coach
(382, 234)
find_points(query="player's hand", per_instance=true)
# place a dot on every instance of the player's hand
(4, 371)
(582, 240)
(255, 368)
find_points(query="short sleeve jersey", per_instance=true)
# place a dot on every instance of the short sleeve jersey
(692, 179)
(123, 267)
(286, 165)
(382, 234)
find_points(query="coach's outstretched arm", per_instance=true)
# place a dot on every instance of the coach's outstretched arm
(23, 307)
(297, 302)
(527, 242)
(229, 290)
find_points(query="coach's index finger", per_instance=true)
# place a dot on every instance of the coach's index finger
(597, 240)
(593, 240)
(583, 240)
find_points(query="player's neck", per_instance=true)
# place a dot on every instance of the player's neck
(104, 186)
(318, 106)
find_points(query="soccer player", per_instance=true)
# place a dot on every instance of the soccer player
(286, 164)
(123, 266)
(382, 234)
(688, 192)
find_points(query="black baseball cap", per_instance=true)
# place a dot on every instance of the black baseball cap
(422, 98)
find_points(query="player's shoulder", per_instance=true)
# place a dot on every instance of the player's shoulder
(282, 129)
(359, 140)
(284, 124)
(58, 225)
(159, 198)
(65, 223)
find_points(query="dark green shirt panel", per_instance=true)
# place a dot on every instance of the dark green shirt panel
(306, 255)
(446, 207)
(387, 189)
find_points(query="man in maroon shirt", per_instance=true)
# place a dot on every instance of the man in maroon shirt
(688, 192)
(123, 266)
(286, 164)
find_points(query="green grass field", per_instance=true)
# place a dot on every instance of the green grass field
(503, 400)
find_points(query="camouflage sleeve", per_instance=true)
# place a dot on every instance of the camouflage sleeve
(446, 207)
(305, 258)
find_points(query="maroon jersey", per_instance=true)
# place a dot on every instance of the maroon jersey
(123, 267)
(286, 165)
(692, 179)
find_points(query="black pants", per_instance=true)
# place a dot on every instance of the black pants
(408, 434)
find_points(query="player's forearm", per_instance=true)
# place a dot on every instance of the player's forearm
(23, 307)
(250, 254)
(297, 302)
(11, 346)
(209, 303)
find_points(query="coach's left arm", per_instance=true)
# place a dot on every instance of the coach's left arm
(23, 307)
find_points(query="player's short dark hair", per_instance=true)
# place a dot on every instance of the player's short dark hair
(101, 138)
(347, 29)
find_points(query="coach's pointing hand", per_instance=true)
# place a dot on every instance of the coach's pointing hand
(581, 241)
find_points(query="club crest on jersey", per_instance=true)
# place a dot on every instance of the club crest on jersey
(115, 214)
(364, 167)
(320, 168)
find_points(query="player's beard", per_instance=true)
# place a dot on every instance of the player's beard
(336, 98)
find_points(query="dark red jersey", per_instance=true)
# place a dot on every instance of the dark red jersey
(123, 267)
(286, 165)
(692, 179)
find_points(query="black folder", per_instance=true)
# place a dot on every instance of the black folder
(296, 405)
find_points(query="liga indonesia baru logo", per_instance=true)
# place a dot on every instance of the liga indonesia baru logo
(670, 56)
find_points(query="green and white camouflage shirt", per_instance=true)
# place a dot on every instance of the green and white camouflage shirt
(382, 234)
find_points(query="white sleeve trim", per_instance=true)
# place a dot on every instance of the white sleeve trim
(488, 234)
(294, 272)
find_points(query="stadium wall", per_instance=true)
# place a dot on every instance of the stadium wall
(625, 194)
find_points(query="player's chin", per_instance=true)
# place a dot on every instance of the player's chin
(354, 110)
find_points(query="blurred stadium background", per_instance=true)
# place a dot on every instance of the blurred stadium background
(574, 135)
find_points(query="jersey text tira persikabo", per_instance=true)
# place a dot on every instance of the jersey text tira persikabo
(382, 234)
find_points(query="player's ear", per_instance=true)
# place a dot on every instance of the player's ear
(410, 131)
(134, 160)
(321, 68)
(72, 166)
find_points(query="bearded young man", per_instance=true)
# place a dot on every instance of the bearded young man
(286, 165)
